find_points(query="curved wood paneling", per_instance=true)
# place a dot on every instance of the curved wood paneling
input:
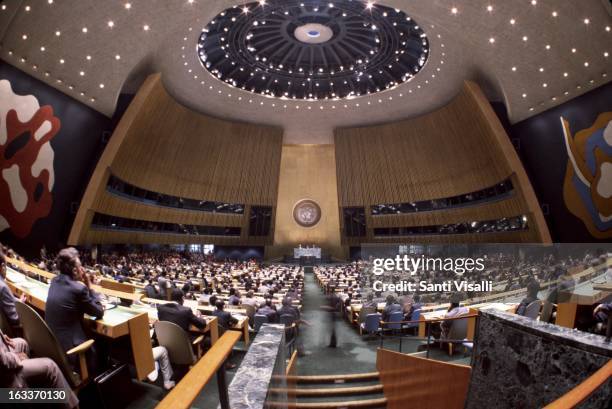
(162, 146)
(458, 149)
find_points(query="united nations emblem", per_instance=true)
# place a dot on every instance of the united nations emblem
(587, 189)
(306, 213)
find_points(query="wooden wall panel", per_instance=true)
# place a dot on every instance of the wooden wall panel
(307, 172)
(162, 146)
(421, 383)
(458, 149)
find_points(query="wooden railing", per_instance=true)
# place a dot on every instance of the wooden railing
(186, 391)
(581, 392)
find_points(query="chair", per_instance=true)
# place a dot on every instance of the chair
(290, 330)
(533, 309)
(547, 310)
(365, 311)
(415, 316)
(44, 344)
(177, 342)
(259, 320)
(250, 311)
(395, 319)
(457, 333)
(371, 325)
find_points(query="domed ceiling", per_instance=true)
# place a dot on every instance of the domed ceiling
(313, 50)
(530, 54)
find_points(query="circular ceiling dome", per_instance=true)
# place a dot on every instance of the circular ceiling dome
(312, 49)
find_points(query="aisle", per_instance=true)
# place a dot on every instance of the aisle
(352, 353)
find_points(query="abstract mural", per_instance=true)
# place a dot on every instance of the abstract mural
(27, 174)
(587, 189)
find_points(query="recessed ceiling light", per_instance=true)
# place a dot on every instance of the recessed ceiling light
(541, 69)
(512, 21)
(101, 85)
(117, 57)
(573, 50)
(28, 8)
(524, 95)
(111, 24)
(525, 38)
(24, 37)
(545, 85)
(3, 7)
(534, 2)
(82, 73)
(454, 10)
(84, 29)
(555, 14)
(489, 8)
(88, 58)
(61, 61)
(607, 28)
(548, 46)
(50, 1)
(586, 63)
(42, 48)
(565, 74)
(587, 21)
(128, 6)
(606, 54)
(145, 27)
(492, 40)
(513, 68)
(58, 33)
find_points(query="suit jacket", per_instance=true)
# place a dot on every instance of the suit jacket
(180, 315)
(294, 312)
(67, 301)
(225, 319)
(7, 303)
(269, 312)
(390, 308)
(151, 292)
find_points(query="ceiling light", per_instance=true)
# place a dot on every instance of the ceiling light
(548, 46)
(573, 50)
(555, 14)
(586, 63)
(28, 8)
(489, 8)
(565, 74)
(82, 73)
(128, 6)
(512, 21)
(534, 2)
(117, 57)
(24, 37)
(492, 40)
(42, 48)
(61, 61)
(606, 54)
(84, 29)
(587, 21)
(101, 85)
(369, 5)
(525, 38)
(145, 27)
(513, 68)
(58, 33)
(524, 95)
(545, 85)
(454, 10)
(88, 58)
(111, 24)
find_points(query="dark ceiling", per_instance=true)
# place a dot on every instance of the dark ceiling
(255, 47)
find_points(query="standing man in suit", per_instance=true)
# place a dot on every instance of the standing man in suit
(7, 299)
(177, 313)
(17, 370)
(70, 297)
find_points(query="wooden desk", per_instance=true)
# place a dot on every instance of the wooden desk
(117, 322)
(587, 293)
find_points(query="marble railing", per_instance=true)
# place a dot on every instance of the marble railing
(523, 363)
